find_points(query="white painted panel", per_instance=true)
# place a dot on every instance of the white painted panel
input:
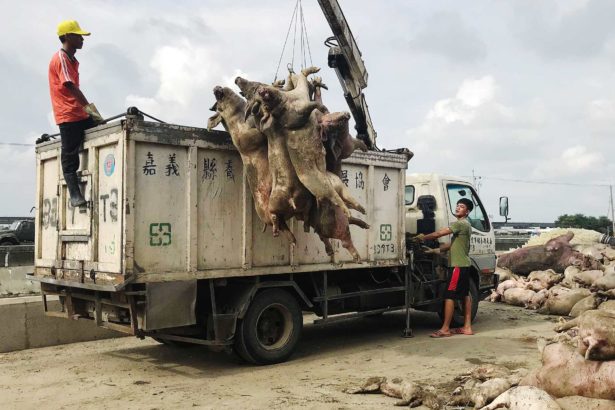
(267, 250)
(48, 213)
(220, 214)
(109, 205)
(386, 215)
(355, 178)
(160, 243)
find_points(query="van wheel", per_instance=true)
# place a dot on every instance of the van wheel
(458, 312)
(270, 330)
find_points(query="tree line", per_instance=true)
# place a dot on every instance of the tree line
(600, 224)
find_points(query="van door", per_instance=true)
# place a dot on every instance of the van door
(482, 241)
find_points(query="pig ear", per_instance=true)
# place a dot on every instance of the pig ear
(213, 121)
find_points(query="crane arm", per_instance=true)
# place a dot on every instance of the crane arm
(345, 59)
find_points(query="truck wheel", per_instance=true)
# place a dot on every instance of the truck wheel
(458, 312)
(7, 242)
(270, 330)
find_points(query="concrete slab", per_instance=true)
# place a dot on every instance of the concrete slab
(24, 325)
(13, 281)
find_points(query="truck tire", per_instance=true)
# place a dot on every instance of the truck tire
(7, 242)
(458, 312)
(270, 329)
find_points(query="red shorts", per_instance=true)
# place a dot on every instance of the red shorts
(458, 285)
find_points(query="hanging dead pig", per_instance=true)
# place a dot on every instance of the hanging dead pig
(276, 190)
(327, 219)
(334, 134)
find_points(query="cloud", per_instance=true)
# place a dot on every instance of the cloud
(446, 34)
(565, 30)
(574, 161)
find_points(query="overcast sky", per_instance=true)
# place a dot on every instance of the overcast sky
(519, 90)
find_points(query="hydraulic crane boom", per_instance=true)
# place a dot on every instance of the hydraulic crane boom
(345, 58)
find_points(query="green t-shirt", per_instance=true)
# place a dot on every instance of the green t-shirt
(460, 244)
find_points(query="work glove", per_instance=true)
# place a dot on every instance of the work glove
(93, 112)
(431, 251)
(418, 238)
(43, 138)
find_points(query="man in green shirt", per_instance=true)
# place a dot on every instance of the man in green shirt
(458, 287)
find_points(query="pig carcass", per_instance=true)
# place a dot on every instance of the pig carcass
(606, 282)
(539, 280)
(556, 254)
(584, 403)
(588, 303)
(326, 218)
(277, 193)
(565, 372)
(481, 393)
(588, 277)
(523, 398)
(538, 299)
(518, 296)
(560, 300)
(607, 305)
(336, 138)
(596, 334)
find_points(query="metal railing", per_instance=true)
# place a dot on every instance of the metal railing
(16, 255)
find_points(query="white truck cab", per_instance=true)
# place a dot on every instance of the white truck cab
(430, 201)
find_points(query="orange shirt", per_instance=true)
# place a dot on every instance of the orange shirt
(64, 69)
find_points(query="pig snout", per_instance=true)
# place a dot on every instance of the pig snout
(218, 92)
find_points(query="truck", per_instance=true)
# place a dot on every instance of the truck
(18, 233)
(170, 246)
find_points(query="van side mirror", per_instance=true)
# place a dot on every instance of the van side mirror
(504, 207)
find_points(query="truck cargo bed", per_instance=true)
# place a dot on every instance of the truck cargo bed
(170, 203)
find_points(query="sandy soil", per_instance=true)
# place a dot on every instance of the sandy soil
(129, 373)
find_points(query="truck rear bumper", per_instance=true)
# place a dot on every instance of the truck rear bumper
(73, 284)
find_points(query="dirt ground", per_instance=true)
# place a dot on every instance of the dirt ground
(129, 373)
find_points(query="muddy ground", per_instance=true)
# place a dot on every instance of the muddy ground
(142, 374)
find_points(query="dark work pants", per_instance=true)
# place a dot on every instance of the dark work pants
(72, 134)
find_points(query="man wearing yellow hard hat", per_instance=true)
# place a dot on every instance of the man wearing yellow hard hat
(72, 111)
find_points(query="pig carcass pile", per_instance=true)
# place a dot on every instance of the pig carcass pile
(557, 278)
(292, 148)
(483, 387)
(581, 359)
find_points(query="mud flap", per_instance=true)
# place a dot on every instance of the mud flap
(170, 304)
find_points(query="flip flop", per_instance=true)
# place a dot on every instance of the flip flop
(439, 333)
(461, 331)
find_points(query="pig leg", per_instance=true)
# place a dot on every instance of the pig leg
(284, 228)
(275, 227)
(327, 242)
(347, 243)
(356, 221)
(344, 193)
(566, 325)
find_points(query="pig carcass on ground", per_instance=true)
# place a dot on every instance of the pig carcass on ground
(596, 334)
(561, 300)
(523, 398)
(565, 372)
(556, 254)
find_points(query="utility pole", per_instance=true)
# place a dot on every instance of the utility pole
(612, 212)
(477, 181)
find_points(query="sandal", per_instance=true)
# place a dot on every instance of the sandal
(461, 331)
(439, 333)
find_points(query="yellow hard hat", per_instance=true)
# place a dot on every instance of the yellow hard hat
(71, 27)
